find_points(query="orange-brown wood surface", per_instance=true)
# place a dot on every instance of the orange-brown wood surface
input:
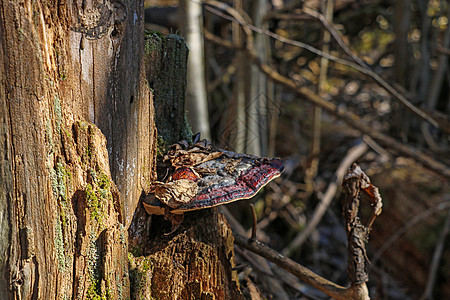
(75, 116)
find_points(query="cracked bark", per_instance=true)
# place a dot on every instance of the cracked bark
(197, 260)
(68, 188)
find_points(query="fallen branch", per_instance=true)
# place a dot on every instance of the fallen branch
(356, 186)
(331, 289)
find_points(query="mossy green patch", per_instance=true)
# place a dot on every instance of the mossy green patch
(82, 125)
(123, 236)
(61, 180)
(161, 147)
(49, 135)
(21, 33)
(136, 251)
(139, 268)
(93, 293)
(85, 136)
(58, 242)
(68, 134)
(58, 112)
(98, 194)
(93, 257)
(154, 37)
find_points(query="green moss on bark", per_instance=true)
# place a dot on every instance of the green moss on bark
(140, 270)
(168, 81)
(98, 195)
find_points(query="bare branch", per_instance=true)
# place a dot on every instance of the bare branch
(407, 226)
(351, 119)
(353, 154)
(360, 65)
(440, 245)
(369, 72)
(284, 40)
(305, 274)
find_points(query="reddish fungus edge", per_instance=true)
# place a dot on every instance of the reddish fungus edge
(181, 210)
(201, 201)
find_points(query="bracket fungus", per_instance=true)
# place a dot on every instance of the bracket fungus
(201, 176)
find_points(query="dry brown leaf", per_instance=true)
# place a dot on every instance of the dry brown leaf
(176, 193)
(193, 158)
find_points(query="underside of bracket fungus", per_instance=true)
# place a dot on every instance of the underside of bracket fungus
(201, 176)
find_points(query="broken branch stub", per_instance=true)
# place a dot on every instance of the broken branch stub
(357, 186)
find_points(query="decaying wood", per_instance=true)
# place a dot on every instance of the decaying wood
(63, 221)
(193, 263)
(356, 186)
(197, 260)
(165, 66)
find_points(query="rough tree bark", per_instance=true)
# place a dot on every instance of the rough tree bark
(64, 67)
(197, 260)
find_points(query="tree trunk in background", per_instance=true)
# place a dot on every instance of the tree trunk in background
(63, 222)
(401, 64)
(197, 102)
(401, 27)
(197, 260)
(256, 141)
(238, 118)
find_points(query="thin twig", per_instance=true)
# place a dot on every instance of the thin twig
(254, 221)
(416, 219)
(427, 294)
(352, 155)
(360, 65)
(385, 155)
(371, 73)
(330, 288)
(349, 118)
(284, 40)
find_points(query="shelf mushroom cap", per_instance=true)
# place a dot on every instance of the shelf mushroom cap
(221, 177)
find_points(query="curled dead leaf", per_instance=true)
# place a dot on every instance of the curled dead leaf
(193, 158)
(176, 193)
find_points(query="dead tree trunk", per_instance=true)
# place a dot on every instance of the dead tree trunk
(195, 262)
(63, 68)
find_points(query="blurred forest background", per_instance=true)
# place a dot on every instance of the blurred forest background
(322, 84)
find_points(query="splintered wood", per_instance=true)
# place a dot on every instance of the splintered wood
(357, 186)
